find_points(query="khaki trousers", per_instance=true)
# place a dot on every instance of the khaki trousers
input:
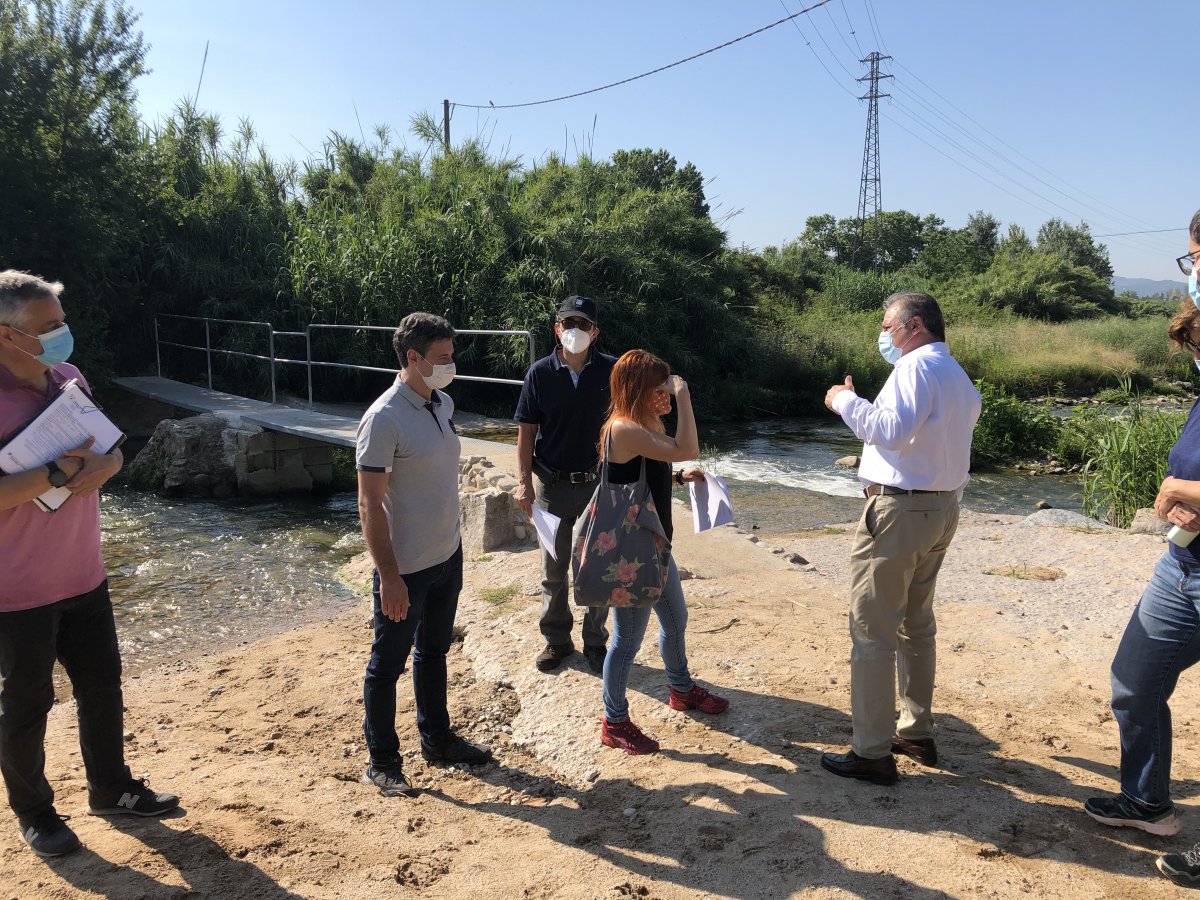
(898, 548)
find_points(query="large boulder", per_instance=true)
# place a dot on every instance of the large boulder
(194, 456)
(1146, 521)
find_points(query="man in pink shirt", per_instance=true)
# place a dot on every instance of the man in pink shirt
(54, 601)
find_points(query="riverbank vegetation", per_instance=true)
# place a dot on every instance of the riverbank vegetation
(191, 217)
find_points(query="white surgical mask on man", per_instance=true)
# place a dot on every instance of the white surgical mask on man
(440, 377)
(575, 340)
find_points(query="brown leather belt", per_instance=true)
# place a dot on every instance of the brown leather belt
(874, 490)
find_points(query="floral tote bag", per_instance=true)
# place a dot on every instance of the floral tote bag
(620, 551)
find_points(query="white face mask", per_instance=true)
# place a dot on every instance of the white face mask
(440, 377)
(575, 340)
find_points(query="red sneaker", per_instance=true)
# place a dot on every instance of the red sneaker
(699, 699)
(626, 736)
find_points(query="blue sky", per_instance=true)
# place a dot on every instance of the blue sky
(1082, 110)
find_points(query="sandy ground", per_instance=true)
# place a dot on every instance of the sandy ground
(264, 745)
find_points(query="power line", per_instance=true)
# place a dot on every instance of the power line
(988, 146)
(680, 62)
(853, 33)
(1153, 231)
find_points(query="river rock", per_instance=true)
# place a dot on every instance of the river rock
(1146, 521)
(194, 456)
(1064, 518)
(847, 462)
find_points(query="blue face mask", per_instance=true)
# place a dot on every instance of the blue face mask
(1193, 287)
(57, 345)
(888, 350)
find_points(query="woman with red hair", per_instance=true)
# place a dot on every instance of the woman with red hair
(642, 386)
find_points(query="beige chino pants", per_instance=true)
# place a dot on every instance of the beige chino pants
(898, 548)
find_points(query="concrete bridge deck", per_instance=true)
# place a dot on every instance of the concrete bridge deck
(335, 424)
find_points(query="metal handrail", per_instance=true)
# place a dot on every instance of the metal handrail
(308, 362)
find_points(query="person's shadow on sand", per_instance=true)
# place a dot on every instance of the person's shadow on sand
(203, 864)
(707, 832)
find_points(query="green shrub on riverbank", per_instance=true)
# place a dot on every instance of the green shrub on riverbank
(1010, 430)
(1124, 457)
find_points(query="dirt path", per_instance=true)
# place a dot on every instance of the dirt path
(264, 744)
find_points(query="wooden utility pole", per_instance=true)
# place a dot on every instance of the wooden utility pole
(446, 123)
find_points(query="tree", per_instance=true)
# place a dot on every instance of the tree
(1074, 243)
(69, 153)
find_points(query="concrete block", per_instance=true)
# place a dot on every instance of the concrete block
(318, 455)
(487, 521)
(321, 474)
(286, 441)
(262, 483)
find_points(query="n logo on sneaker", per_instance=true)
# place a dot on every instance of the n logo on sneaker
(129, 800)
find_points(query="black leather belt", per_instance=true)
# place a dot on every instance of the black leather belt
(874, 490)
(553, 476)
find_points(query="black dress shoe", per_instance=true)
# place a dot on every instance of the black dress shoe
(552, 656)
(851, 765)
(923, 750)
(595, 657)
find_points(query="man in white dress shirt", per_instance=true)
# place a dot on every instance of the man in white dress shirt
(915, 462)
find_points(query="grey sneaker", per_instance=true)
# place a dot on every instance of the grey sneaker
(1120, 811)
(1182, 868)
(134, 798)
(390, 781)
(48, 834)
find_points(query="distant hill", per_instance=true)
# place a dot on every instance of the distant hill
(1147, 287)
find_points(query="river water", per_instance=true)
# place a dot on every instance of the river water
(188, 574)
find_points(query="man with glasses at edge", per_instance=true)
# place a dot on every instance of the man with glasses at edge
(562, 406)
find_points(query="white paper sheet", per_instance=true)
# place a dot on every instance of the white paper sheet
(711, 505)
(70, 419)
(546, 525)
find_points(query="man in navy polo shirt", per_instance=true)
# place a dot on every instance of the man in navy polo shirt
(563, 405)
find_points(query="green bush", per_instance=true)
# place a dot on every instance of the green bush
(1124, 458)
(1009, 429)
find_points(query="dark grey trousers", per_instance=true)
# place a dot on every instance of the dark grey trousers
(567, 501)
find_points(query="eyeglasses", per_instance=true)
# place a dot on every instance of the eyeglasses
(575, 322)
(890, 328)
(1187, 262)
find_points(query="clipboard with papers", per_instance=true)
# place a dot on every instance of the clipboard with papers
(66, 422)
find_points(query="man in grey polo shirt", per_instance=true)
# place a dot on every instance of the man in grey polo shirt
(408, 502)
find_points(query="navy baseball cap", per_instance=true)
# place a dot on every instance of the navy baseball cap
(576, 305)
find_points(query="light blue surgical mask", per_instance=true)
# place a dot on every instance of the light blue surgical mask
(1197, 362)
(1194, 287)
(57, 344)
(888, 350)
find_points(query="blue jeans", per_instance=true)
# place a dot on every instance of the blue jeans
(433, 601)
(628, 629)
(1161, 640)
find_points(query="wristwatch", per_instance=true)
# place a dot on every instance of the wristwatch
(58, 478)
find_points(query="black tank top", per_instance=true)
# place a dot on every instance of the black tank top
(658, 477)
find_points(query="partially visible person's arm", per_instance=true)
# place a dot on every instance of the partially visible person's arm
(393, 592)
(630, 440)
(97, 469)
(24, 486)
(526, 436)
(901, 408)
